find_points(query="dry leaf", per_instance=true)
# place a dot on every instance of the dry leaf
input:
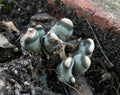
(11, 26)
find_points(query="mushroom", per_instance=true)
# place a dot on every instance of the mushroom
(51, 42)
(81, 63)
(30, 41)
(86, 47)
(40, 30)
(81, 59)
(64, 71)
(63, 29)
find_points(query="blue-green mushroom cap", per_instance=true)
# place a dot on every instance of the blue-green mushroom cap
(40, 30)
(63, 29)
(51, 42)
(30, 40)
(81, 63)
(64, 71)
(86, 47)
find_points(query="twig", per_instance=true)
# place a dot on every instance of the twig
(109, 64)
(72, 88)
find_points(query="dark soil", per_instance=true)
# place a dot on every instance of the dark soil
(39, 76)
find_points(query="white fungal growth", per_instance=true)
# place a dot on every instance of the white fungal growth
(67, 22)
(68, 62)
(72, 80)
(82, 63)
(30, 40)
(39, 26)
(31, 32)
(86, 61)
(53, 36)
(91, 46)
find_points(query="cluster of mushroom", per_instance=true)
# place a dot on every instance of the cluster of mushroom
(75, 54)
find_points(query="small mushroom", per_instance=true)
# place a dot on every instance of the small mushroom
(86, 47)
(30, 41)
(81, 54)
(63, 29)
(51, 42)
(40, 30)
(64, 71)
(81, 63)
